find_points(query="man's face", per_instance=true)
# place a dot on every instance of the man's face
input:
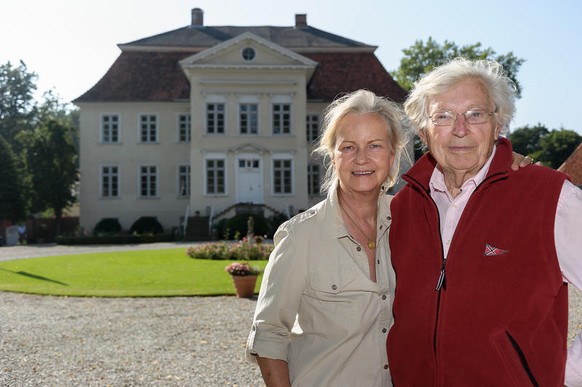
(462, 147)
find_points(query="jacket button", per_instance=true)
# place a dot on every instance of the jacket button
(385, 366)
(334, 287)
(359, 248)
(383, 330)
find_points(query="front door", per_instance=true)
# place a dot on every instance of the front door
(249, 180)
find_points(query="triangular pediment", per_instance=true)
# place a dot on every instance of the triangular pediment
(248, 148)
(229, 54)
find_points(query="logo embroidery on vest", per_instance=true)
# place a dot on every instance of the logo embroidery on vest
(491, 251)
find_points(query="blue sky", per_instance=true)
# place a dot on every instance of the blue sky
(70, 44)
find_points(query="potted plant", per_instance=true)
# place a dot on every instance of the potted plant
(244, 277)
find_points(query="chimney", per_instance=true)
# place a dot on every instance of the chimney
(300, 20)
(197, 18)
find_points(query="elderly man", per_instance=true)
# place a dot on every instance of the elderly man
(482, 253)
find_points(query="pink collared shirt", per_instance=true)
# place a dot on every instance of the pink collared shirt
(567, 234)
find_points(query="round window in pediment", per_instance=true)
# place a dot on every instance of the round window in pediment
(248, 54)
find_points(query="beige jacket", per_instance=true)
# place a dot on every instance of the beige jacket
(318, 309)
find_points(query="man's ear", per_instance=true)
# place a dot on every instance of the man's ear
(422, 135)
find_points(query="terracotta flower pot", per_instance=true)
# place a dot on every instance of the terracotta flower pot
(244, 285)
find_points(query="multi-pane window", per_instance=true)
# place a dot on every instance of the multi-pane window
(312, 123)
(110, 181)
(215, 177)
(282, 176)
(313, 179)
(184, 128)
(215, 118)
(148, 181)
(184, 181)
(148, 128)
(110, 128)
(249, 120)
(281, 118)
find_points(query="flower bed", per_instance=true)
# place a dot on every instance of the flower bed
(240, 251)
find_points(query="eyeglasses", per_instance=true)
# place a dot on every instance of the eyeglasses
(474, 116)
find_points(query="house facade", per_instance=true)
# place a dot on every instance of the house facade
(192, 122)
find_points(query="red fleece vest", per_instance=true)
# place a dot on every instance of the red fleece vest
(501, 318)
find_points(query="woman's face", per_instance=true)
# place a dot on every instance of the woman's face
(363, 154)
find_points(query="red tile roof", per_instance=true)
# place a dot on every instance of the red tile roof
(157, 76)
(344, 72)
(573, 166)
(148, 69)
(142, 76)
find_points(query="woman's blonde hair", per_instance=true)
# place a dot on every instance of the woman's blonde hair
(360, 101)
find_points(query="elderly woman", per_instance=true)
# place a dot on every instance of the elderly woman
(324, 309)
(482, 253)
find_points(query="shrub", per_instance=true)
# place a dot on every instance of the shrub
(146, 225)
(239, 223)
(113, 239)
(107, 226)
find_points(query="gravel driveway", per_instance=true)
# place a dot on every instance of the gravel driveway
(180, 341)
(70, 341)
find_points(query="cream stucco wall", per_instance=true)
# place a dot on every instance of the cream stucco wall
(128, 155)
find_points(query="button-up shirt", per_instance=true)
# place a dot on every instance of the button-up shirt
(318, 309)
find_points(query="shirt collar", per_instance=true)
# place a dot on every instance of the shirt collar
(333, 223)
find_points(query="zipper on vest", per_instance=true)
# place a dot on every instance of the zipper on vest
(442, 281)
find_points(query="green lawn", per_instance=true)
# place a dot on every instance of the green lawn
(147, 273)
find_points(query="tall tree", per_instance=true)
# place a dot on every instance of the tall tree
(422, 57)
(51, 158)
(17, 87)
(12, 203)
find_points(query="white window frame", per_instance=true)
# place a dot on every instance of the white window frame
(281, 119)
(217, 118)
(252, 118)
(113, 179)
(151, 122)
(313, 179)
(312, 125)
(183, 185)
(215, 157)
(184, 125)
(110, 130)
(275, 170)
(152, 176)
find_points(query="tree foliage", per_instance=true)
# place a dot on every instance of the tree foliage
(24, 123)
(17, 87)
(526, 140)
(551, 148)
(557, 146)
(12, 203)
(422, 57)
(51, 158)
